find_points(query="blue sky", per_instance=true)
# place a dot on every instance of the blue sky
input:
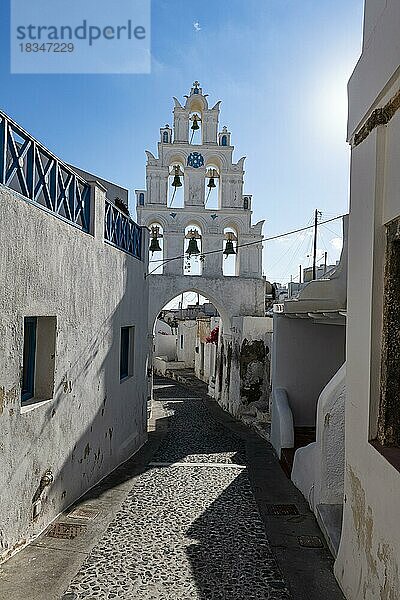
(280, 68)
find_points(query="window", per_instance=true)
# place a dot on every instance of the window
(388, 433)
(181, 342)
(38, 359)
(224, 140)
(28, 368)
(126, 353)
(141, 199)
(165, 137)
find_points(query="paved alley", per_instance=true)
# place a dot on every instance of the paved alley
(190, 527)
(194, 516)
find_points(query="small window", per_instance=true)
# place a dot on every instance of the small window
(224, 140)
(38, 359)
(181, 342)
(165, 137)
(246, 203)
(141, 199)
(28, 368)
(126, 353)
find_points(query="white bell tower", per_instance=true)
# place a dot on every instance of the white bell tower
(195, 161)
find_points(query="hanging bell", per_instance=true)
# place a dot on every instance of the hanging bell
(229, 248)
(155, 244)
(177, 177)
(193, 249)
(211, 183)
(195, 125)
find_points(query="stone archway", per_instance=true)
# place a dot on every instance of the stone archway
(231, 296)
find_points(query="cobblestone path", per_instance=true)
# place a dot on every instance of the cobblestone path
(189, 528)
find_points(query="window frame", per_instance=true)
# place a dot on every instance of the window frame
(29, 359)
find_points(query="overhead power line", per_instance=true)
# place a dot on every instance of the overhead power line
(264, 239)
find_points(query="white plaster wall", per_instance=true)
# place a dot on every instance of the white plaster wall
(318, 469)
(282, 429)
(94, 421)
(165, 345)
(367, 565)
(187, 329)
(372, 79)
(305, 357)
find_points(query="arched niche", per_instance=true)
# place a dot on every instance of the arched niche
(156, 258)
(195, 135)
(230, 263)
(176, 195)
(212, 199)
(193, 264)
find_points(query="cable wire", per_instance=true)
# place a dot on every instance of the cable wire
(261, 241)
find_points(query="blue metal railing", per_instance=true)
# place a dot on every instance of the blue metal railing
(30, 169)
(122, 232)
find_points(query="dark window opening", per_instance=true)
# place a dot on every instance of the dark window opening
(165, 137)
(181, 342)
(141, 199)
(126, 352)
(224, 140)
(29, 360)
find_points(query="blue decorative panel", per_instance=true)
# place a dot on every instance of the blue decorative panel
(122, 232)
(195, 160)
(30, 169)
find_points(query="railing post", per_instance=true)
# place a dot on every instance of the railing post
(97, 209)
(3, 148)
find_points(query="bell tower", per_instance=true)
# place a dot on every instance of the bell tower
(195, 162)
(200, 218)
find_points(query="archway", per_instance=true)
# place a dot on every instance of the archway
(185, 337)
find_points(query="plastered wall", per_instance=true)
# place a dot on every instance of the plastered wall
(93, 421)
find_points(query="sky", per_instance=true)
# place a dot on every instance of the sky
(280, 68)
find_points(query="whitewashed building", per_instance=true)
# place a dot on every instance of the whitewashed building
(368, 562)
(73, 343)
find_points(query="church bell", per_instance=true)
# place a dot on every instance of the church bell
(195, 125)
(177, 177)
(193, 249)
(229, 247)
(211, 180)
(154, 244)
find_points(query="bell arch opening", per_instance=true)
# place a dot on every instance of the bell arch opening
(156, 248)
(212, 187)
(230, 249)
(193, 249)
(176, 185)
(195, 128)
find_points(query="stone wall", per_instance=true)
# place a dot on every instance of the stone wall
(243, 364)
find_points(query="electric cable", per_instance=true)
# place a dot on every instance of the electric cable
(261, 241)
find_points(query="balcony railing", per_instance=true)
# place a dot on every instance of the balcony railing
(28, 168)
(122, 232)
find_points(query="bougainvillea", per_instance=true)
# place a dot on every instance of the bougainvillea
(213, 337)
